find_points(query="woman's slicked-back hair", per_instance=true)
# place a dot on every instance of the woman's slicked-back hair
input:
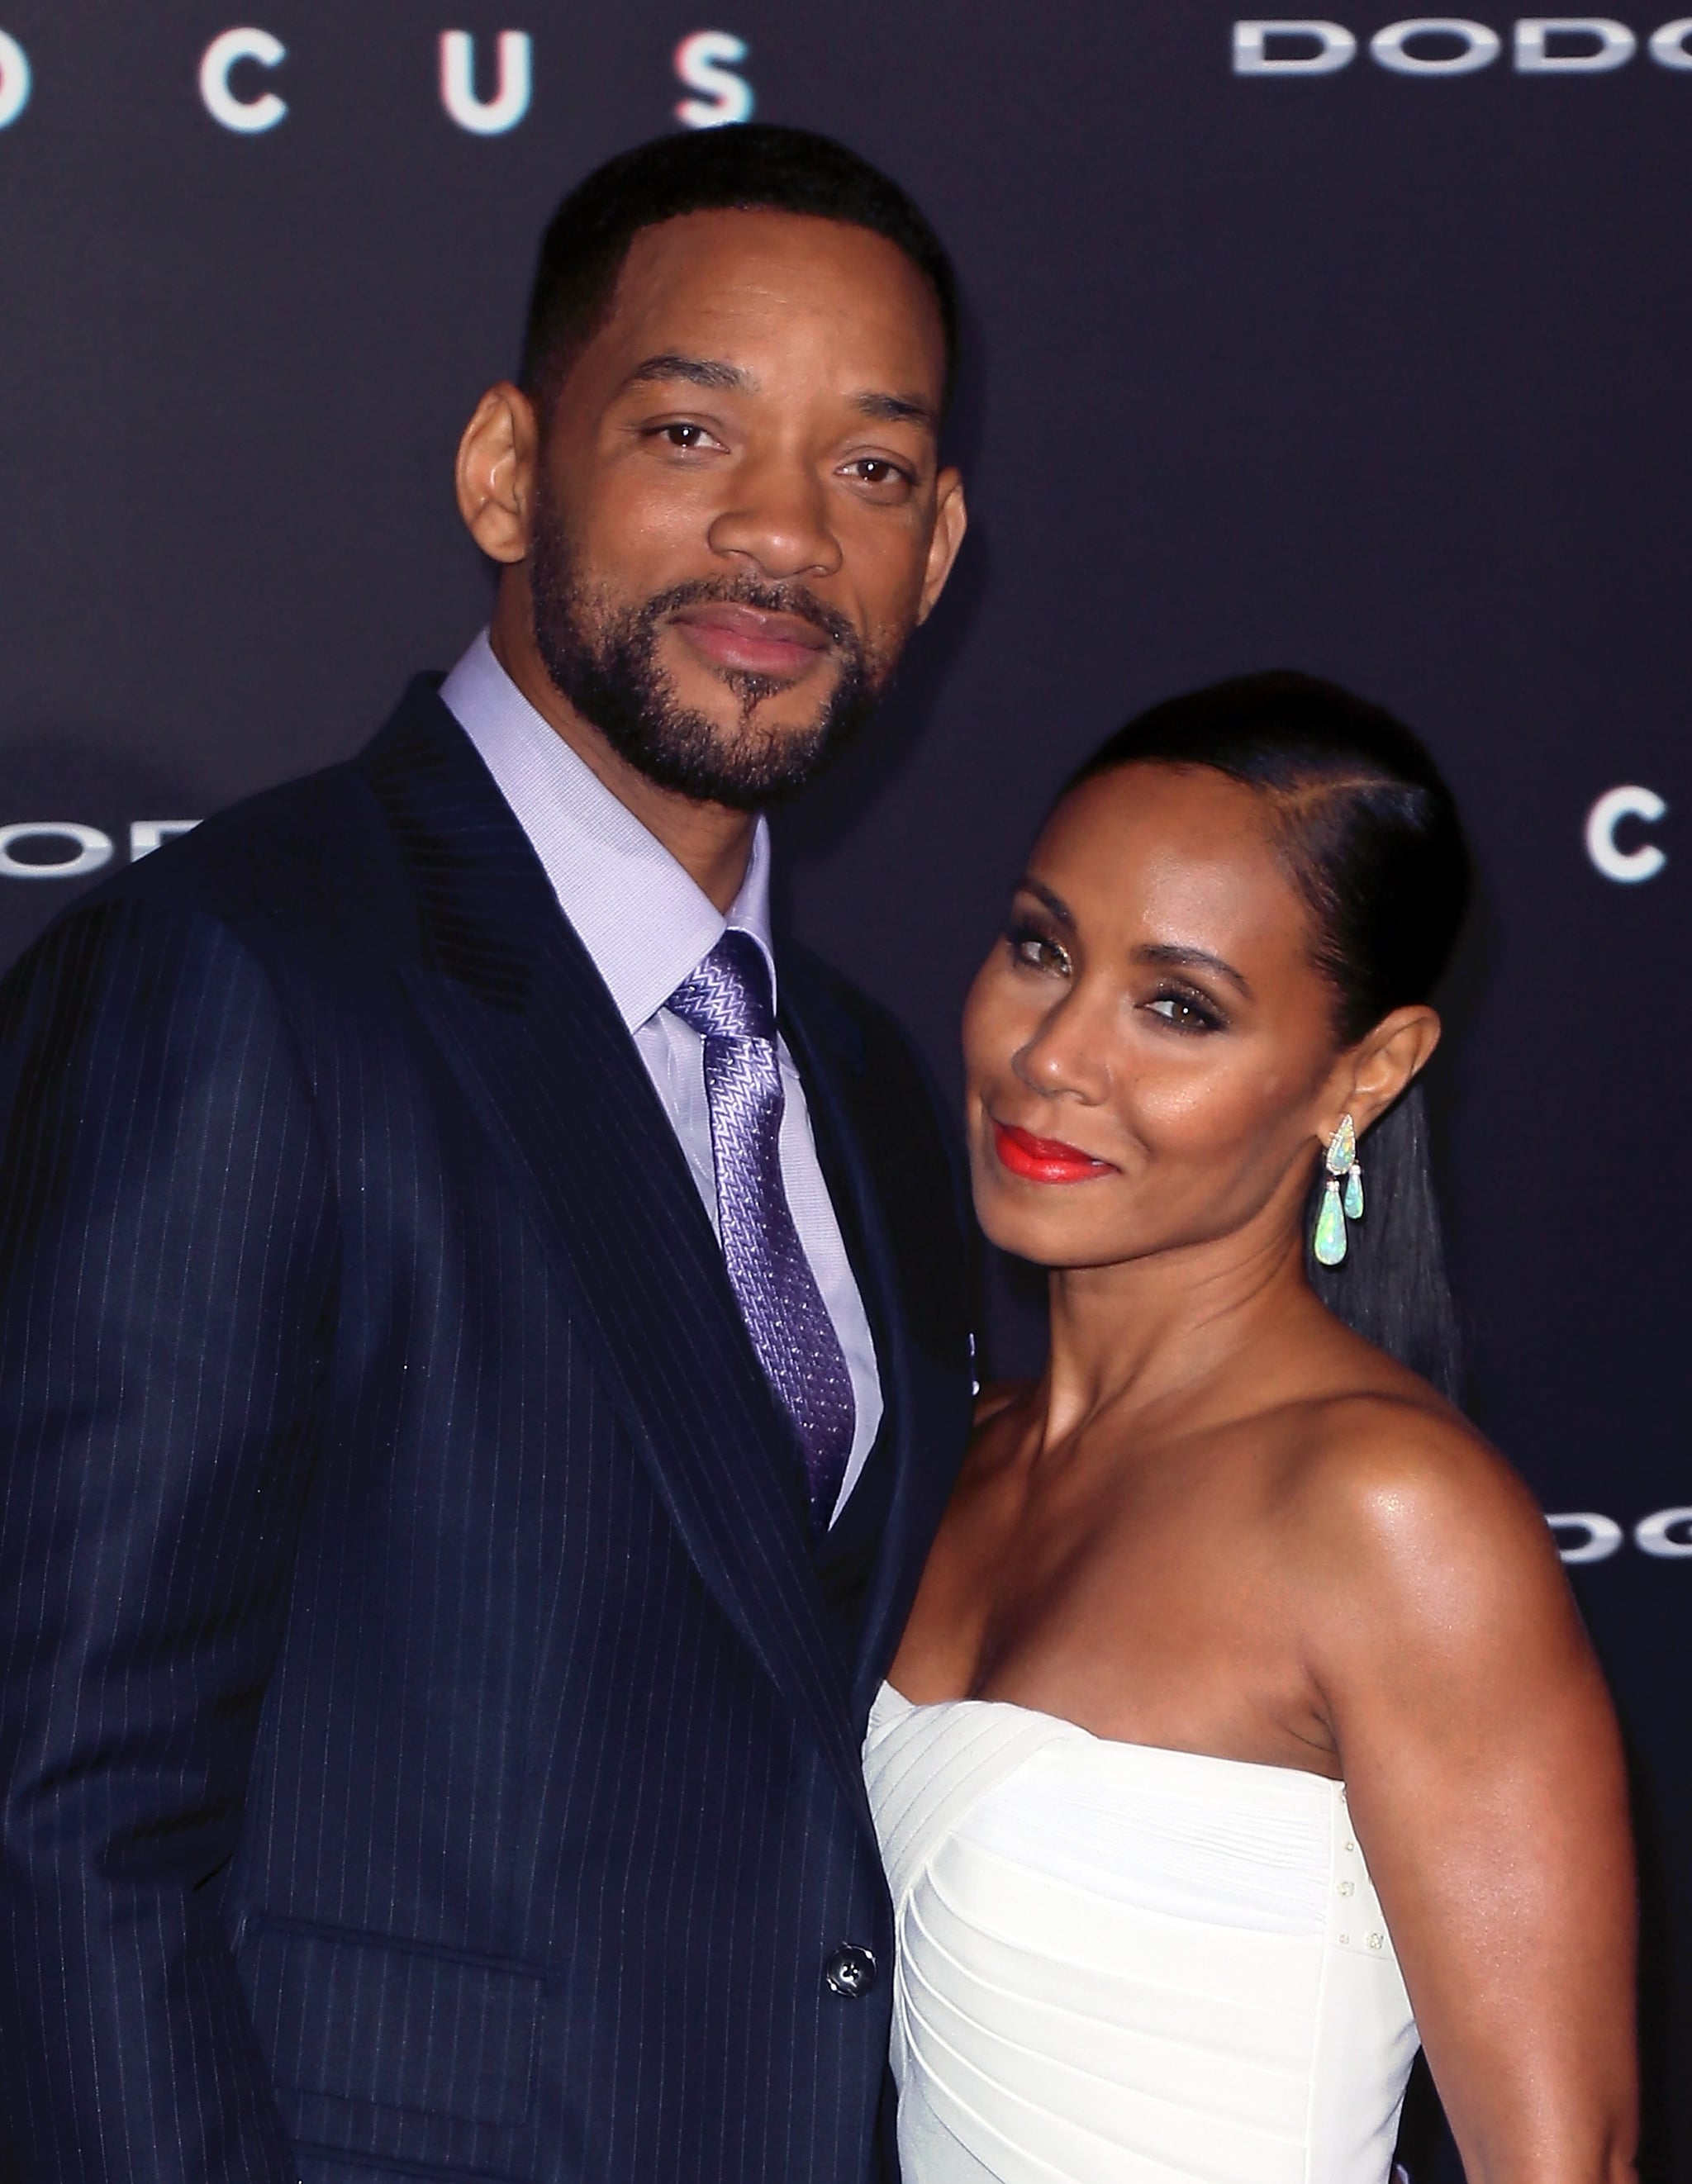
(749, 167)
(1368, 828)
(1371, 839)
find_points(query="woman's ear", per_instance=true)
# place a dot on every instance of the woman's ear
(495, 473)
(1385, 1062)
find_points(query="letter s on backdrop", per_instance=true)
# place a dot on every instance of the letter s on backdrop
(706, 62)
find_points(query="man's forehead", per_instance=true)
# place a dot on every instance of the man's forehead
(729, 266)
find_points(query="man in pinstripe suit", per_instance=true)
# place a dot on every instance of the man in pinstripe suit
(483, 1339)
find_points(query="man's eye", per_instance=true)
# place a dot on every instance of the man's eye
(876, 470)
(684, 435)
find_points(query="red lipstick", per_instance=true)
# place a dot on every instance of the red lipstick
(1045, 1160)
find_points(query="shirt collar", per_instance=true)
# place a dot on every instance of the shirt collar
(643, 921)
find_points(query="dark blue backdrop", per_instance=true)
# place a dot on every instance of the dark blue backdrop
(1378, 368)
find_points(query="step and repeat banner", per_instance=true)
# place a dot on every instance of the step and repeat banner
(1357, 345)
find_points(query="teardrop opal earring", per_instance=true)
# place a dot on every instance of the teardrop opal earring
(1341, 1160)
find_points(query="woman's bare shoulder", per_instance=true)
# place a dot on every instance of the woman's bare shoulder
(1395, 1438)
(1401, 1507)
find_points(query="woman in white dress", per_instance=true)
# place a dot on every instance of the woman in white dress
(1243, 1730)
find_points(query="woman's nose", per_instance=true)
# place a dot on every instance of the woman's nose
(1065, 1058)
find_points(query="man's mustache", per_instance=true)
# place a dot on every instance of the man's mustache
(769, 598)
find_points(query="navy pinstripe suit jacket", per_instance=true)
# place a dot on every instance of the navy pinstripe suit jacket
(427, 1749)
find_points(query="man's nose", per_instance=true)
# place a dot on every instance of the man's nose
(777, 520)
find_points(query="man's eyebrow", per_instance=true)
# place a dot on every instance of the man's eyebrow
(1192, 959)
(898, 409)
(1055, 902)
(696, 371)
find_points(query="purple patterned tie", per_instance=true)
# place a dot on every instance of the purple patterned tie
(728, 1001)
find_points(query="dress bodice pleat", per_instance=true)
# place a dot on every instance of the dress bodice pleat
(1118, 1965)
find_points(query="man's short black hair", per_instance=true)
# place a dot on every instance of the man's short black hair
(748, 166)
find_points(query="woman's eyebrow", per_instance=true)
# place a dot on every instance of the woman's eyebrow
(1176, 957)
(1055, 902)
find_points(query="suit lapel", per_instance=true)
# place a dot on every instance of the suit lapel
(891, 1185)
(534, 1040)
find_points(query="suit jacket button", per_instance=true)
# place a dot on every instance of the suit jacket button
(849, 1970)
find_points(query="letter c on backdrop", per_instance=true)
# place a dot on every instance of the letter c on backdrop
(1627, 865)
(14, 80)
(1608, 45)
(1334, 47)
(1479, 47)
(248, 117)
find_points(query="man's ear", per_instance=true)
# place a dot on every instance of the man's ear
(495, 473)
(951, 522)
(1382, 1065)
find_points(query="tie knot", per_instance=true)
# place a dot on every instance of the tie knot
(728, 996)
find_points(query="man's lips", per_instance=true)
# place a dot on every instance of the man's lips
(751, 640)
(1045, 1160)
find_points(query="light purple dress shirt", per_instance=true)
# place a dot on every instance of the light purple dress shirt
(646, 924)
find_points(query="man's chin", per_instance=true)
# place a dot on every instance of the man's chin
(762, 760)
(716, 735)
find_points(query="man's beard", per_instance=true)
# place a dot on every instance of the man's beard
(605, 660)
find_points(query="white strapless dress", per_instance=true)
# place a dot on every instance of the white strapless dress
(1122, 1965)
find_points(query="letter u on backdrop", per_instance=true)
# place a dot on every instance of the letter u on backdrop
(512, 87)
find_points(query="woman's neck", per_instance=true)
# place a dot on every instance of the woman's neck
(1138, 1337)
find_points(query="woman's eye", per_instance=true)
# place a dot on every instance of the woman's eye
(1038, 951)
(1185, 1013)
